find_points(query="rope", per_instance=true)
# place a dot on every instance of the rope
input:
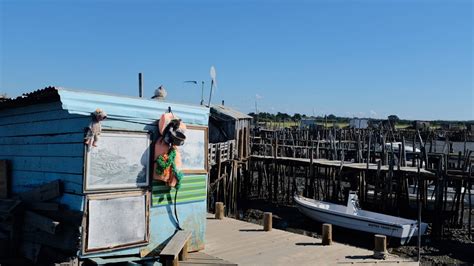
(176, 212)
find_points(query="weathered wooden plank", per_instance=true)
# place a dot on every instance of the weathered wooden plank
(4, 180)
(114, 260)
(45, 192)
(31, 109)
(336, 163)
(27, 180)
(57, 150)
(43, 206)
(200, 258)
(36, 117)
(34, 220)
(70, 165)
(73, 125)
(46, 139)
(73, 201)
(60, 258)
(174, 246)
(64, 215)
(67, 239)
(7, 206)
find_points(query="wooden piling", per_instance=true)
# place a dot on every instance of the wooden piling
(219, 210)
(380, 250)
(275, 178)
(267, 221)
(327, 234)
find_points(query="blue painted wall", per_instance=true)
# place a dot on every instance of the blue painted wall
(44, 142)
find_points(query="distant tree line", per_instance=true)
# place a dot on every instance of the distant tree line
(284, 117)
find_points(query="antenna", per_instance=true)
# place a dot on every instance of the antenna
(202, 88)
(212, 72)
(202, 92)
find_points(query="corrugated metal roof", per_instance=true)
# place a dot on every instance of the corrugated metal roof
(127, 108)
(48, 94)
(221, 109)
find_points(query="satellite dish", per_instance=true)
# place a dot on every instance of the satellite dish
(212, 72)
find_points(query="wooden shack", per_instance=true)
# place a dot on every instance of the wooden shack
(421, 125)
(124, 211)
(227, 124)
(229, 149)
(359, 123)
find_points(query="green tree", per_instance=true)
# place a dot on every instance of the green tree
(296, 117)
(282, 116)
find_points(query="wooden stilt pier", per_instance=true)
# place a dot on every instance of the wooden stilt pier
(248, 244)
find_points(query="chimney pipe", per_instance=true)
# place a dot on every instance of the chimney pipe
(140, 85)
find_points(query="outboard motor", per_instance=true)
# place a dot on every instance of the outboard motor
(352, 203)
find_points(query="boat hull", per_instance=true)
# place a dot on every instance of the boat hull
(321, 212)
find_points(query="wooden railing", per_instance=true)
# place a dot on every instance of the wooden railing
(221, 152)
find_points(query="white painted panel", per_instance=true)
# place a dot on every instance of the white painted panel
(116, 221)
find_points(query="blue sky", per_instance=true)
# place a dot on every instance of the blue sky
(349, 58)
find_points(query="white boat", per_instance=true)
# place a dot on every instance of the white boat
(449, 195)
(396, 145)
(352, 217)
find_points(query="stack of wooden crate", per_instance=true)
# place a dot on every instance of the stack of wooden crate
(35, 227)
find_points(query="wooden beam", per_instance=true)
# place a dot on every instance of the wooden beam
(43, 206)
(67, 239)
(183, 255)
(177, 246)
(43, 193)
(4, 180)
(40, 222)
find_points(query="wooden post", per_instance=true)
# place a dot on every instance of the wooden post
(183, 255)
(311, 174)
(380, 250)
(4, 180)
(327, 234)
(404, 153)
(267, 221)
(219, 210)
(419, 227)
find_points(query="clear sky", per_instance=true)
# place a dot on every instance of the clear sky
(367, 58)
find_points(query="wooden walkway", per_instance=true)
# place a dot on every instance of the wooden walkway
(247, 244)
(343, 164)
(202, 259)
